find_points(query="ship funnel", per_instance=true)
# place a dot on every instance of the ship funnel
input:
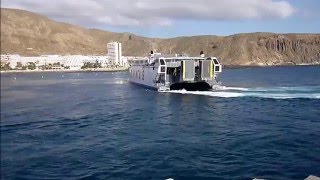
(201, 54)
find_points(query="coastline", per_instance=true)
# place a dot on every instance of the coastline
(263, 66)
(121, 69)
(68, 70)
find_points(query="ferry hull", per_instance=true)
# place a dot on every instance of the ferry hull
(143, 76)
(137, 83)
(176, 73)
(144, 86)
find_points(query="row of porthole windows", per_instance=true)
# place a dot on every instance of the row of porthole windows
(137, 74)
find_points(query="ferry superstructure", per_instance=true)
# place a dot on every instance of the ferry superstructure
(176, 72)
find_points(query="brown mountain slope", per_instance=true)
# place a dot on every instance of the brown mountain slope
(28, 33)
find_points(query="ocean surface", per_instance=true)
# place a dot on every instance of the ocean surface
(262, 123)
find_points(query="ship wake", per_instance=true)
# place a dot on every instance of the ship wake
(307, 92)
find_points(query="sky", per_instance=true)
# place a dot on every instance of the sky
(172, 18)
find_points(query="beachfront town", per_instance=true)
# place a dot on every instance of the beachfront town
(113, 60)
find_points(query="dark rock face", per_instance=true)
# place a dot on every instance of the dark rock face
(283, 44)
(294, 48)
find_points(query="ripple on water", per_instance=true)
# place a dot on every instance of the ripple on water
(96, 127)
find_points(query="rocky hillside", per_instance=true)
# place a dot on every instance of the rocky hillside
(27, 33)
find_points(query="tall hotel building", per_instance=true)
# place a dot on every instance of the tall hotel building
(115, 53)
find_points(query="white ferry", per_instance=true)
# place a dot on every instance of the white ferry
(175, 72)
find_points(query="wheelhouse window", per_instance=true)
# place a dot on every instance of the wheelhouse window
(162, 62)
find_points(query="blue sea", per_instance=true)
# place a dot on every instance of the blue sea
(263, 123)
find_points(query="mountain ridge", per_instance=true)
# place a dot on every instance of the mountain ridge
(28, 33)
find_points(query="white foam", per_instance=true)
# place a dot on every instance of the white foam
(209, 93)
(235, 88)
(120, 82)
(259, 92)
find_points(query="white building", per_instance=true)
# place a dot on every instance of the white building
(124, 60)
(73, 62)
(104, 60)
(115, 53)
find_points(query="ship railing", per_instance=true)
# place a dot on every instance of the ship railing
(173, 64)
(178, 64)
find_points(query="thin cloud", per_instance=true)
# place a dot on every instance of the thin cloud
(152, 12)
